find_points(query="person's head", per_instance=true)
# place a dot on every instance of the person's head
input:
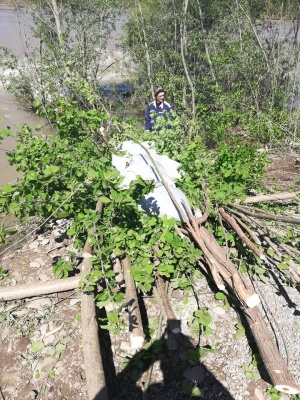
(159, 95)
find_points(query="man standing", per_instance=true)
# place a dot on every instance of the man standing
(159, 107)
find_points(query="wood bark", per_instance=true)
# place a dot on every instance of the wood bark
(273, 362)
(147, 53)
(95, 378)
(57, 19)
(136, 334)
(270, 197)
(173, 322)
(248, 230)
(262, 215)
(183, 40)
(231, 221)
(39, 288)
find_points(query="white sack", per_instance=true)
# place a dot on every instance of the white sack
(136, 162)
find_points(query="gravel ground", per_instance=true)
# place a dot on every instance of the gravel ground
(41, 355)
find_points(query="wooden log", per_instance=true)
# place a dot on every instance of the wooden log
(228, 271)
(117, 266)
(39, 288)
(136, 333)
(95, 378)
(276, 367)
(173, 323)
(270, 197)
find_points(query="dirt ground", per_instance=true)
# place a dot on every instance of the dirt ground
(41, 353)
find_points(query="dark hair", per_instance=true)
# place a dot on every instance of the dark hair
(158, 90)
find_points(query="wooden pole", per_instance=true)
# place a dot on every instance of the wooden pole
(276, 367)
(95, 378)
(39, 288)
(136, 334)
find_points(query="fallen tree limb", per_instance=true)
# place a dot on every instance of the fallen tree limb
(277, 370)
(95, 378)
(262, 215)
(205, 215)
(270, 197)
(39, 288)
(231, 221)
(173, 322)
(228, 271)
(136, 333)
(276, 367)
(248, 230)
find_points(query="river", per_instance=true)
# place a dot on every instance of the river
(15, 35)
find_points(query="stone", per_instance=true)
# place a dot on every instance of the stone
(48, 340)
(44, 329)
(259, 395)
(35, 264)
(39, 303)
(219, 311)
(125, 346)
(43, 277)
(32, 395)
(74, 301)
(20, 313)
(44, 242)
(40, 261)
(34, 245)
(195, 374)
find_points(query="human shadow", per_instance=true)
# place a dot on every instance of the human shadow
(176, 373)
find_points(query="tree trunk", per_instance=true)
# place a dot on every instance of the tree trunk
(39, 288)
(136, 334)
(95, 378)
(273, 362)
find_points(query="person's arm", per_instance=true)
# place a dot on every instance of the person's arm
(148, 126)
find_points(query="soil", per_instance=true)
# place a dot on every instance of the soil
(41, 354)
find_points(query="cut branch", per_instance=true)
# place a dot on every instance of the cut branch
(248, 230)
(231, 221)
(270, 197)
(39, 288)
(262, 215)
(173, 322)
(273, 362)
(95, 378)
(136, 334)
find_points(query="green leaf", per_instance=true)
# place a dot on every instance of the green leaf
(31, 175)
(220, 296)
(8, 188)
(105, 199)
(118, 297)
(112, 317)
(78, 317)
(37, 346)
(282, 266)
(51, 170)
(197, 392)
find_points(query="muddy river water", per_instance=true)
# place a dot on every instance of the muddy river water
(15, 35)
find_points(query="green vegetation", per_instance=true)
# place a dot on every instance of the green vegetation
(229, 85)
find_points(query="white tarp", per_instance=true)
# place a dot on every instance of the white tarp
(136, 162)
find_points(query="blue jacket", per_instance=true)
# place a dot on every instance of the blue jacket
(159, 111)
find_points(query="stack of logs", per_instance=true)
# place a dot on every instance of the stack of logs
(217, 263)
